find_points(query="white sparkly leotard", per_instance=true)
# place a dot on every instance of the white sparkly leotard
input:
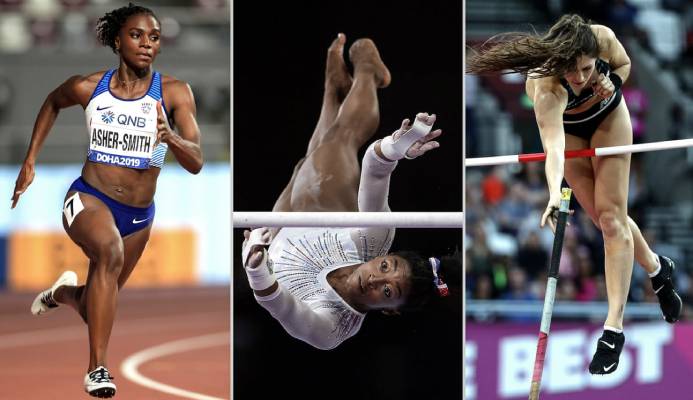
(301, 258)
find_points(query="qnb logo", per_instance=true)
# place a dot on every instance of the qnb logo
(107, 117)
(124, 119)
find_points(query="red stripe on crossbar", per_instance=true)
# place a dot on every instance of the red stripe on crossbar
(534, 157)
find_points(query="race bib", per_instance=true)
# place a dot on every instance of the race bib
(122, 139)
(73, 206)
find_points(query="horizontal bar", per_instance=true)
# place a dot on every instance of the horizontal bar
(242, 219)
(598, 152)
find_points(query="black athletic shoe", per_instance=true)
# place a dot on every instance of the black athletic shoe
(605, 359)
(669, 300)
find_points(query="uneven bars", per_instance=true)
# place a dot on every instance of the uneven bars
(243, 219)
(596, 152)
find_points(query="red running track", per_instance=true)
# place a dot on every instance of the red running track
(46, 357)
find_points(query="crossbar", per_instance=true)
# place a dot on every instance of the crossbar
(242, 219)
(595, 152)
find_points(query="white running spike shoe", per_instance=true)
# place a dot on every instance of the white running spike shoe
(98, 383)
(44, 301)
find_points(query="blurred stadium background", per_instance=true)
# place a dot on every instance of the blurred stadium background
(180, 288)
(42, 43)
(506, 252)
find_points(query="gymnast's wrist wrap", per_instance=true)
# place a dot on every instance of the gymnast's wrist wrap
(397, 149)
(372, 161)
(262, 276)
(616, 80)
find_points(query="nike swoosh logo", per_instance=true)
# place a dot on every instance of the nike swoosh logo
(102, 108)
(660, 288)
(606, 369)
(611, 346)
(135, 221)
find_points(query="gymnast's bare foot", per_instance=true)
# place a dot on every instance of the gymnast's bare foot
(336, 73)
(364, 55)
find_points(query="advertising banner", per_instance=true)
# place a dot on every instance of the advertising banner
(189, 243)
(657, 361)
(36, 259)
(3, 261)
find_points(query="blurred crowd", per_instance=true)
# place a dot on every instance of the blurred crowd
(58, 38)
(663, 27)
(507, 253)
(68, 25)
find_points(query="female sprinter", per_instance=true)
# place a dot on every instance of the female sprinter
(575, 72)
(320, 283)
(108, 210)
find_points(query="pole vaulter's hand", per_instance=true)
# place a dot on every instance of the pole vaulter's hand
(424, 144)
(603, 87)
(551, 213)
(24, 179)
(256, 251)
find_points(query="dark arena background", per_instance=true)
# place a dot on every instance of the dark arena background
(278, 76)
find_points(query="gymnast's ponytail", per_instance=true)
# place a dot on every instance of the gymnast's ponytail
(432, 279)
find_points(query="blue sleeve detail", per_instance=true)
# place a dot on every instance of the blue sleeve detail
(155, 90)
(103, 84)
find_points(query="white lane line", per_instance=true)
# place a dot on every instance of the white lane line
(129, 367)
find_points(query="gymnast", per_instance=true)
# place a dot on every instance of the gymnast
(319, 283)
